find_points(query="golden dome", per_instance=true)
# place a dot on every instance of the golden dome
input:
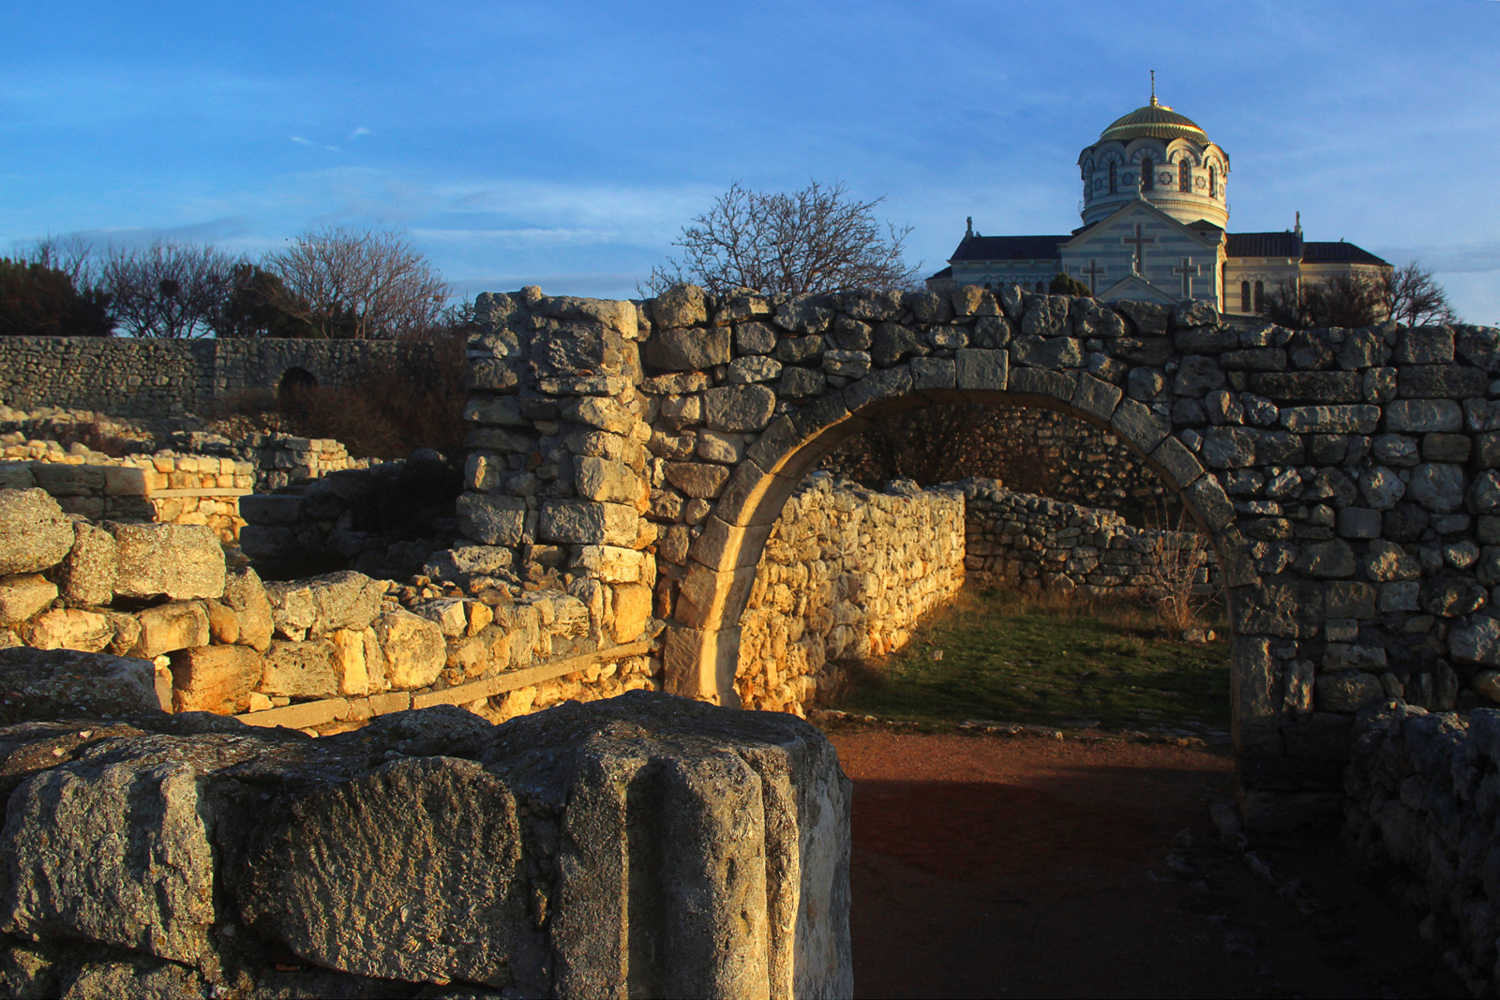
(1155, 121)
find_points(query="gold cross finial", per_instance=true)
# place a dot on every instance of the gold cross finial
(1153, 88)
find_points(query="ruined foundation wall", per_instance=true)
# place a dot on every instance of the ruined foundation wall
(845, 575)
(1424, 801)
(331, 650)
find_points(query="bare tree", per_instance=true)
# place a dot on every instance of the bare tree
(168, 290)
(72, 255)
(817, 239)
(1344, 300)
(1414, 298)
(362, 285)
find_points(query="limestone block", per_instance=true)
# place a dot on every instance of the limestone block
(124, 481)
(583, 522)
(34, 532)
(738, 409)
(981, 370)
(167, 560)
(1478, 641)
(246, 596)
(320, 604)
(1045, 316)
(350, 648)
(16, 476)
(892, 342)
(55, 684)
(697, 479)
(724, 448)
(1347, 692)
(495, 520)
(1423, 416)
(272, 508)
(605, 414)
(631, 605)
(145, 881)
(354, 909)
(68, 480)
(412, 648)
(69, 628)
(687, 349)
(24, 595)
(753, 368)
(935, 373)
(1438, 486)
(754, 338)
(447, 613)
(302, 670)
(91, 566)
(169, 627)
(611, 563)
(215, 679)
(679, 306)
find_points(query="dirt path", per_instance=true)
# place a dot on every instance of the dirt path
(988, 866)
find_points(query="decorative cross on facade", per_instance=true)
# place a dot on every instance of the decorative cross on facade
(1095, 272)
(1189, 271)
(1139, 264)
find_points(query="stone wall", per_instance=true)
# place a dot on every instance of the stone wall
(1424, 804)
(1350, 478)
(1049, 454)
(845, 575)
(1017, 539)
(329, 651)
(428, 855)
(169, 487)
(156, 378)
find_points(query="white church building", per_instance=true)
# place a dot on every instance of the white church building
(1155, 212)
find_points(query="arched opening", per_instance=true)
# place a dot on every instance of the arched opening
(702, 645)
(295, 383)
(1148, 175)
(1114, 178)
(1184, 176)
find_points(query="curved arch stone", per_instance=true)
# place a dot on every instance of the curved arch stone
(1269, 436)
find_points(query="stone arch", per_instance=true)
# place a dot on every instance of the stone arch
(1351, 478)
(702, 643)
(293, 382)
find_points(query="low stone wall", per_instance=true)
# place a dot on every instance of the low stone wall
(169, 487)
(1030, 541)
(130, 377)
(845, 575)
(430, 854)
(1424, 801)
(330, 651)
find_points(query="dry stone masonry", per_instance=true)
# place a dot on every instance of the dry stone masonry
(329, 651)
(845, 575)
(1018, 540)
(145, 377)
(1348, 477)
(645, 846)
(1424, 805)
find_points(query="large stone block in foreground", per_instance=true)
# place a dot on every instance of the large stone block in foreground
(640, 846)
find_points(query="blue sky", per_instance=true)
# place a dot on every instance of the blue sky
(565, 144)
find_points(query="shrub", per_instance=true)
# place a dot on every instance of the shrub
(41, 301)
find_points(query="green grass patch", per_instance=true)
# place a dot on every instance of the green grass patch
(1047, 659)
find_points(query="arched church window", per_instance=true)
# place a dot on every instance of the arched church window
(1184, 175)
(1260, 296)
(1244, 296)
(1114, 179)
(1213, 183)
(1148, 175)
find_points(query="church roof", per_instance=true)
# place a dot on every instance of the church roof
(1293, 246)
(1155, 121)
(1009, 248)
(1339, 253)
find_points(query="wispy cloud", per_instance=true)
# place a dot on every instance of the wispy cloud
(299, 140)
(359, 132)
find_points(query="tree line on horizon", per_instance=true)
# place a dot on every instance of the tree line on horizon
(342, 283)
(331, 283)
